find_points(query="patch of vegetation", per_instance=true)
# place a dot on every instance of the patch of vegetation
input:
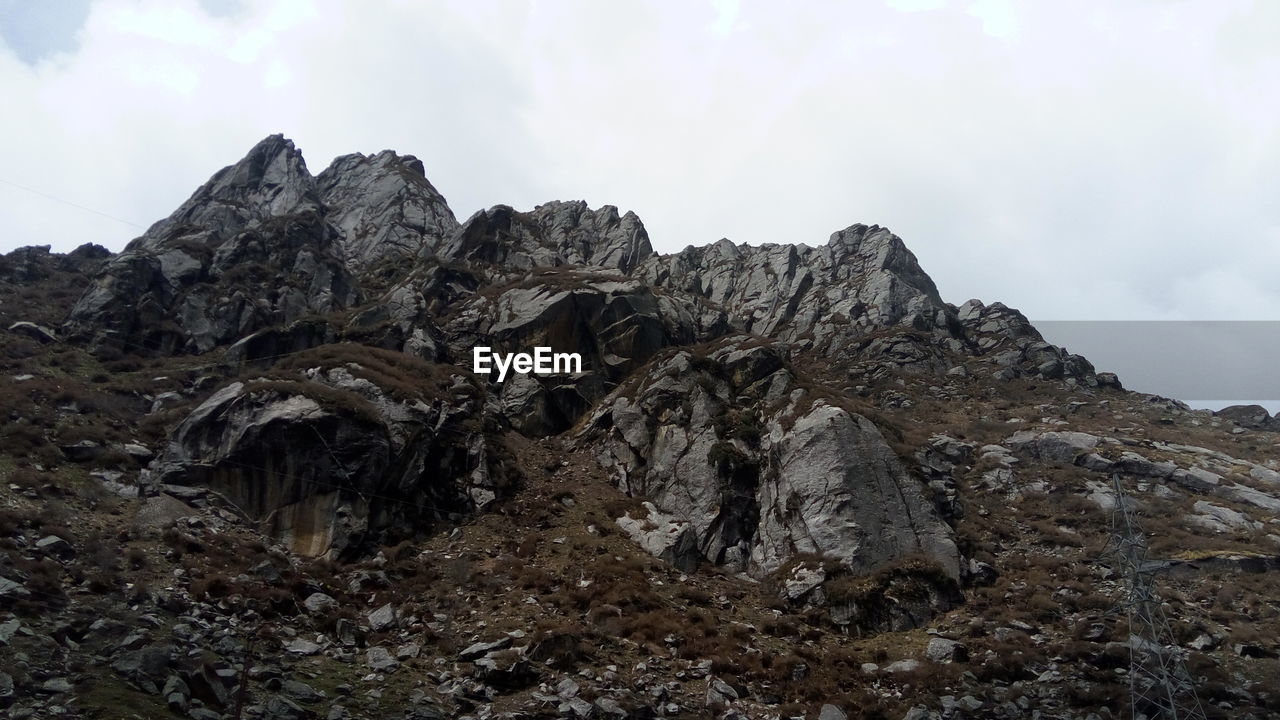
(341, 402)
(402, 376)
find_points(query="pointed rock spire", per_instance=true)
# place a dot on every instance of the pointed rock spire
(271, 180)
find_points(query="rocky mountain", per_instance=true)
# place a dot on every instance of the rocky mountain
(249, 472)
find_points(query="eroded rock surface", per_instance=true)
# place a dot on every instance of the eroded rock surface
(333, 460)
(384, 208)
(554, 234)
(248, 250)
(761, 469)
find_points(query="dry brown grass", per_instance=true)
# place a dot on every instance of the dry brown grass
(404, 377)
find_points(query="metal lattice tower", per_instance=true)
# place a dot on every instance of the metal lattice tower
(1160, 688)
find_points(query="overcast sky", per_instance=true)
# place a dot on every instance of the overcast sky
(1079, 161)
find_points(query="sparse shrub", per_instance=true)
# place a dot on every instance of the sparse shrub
(104, 582)
(459, 570)
(403, 376)
(44, 582)
(136, 558)
(694, 595)
(23, 439)
(11, 521)
(342, 402)
(561, 646)
(211, 587)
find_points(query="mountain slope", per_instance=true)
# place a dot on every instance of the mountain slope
(786, 477)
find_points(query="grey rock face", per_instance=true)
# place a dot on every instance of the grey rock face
(902, 666)
(302, 646)
(146, 668)
(319, 602)
(35, 262)
(332, 459)
(831, 712)
(1219, 519)
(1005, 335)
(10, 589)
(554, 234)
(837, 298)
(760, 470)
(719, 693)
(249, 249)
(1062, 447)
(841, 474)
(864, 278)
(663, 536)
(384, 208)
(480, 649)
(615, 324)
(382, 618)
(380, 659)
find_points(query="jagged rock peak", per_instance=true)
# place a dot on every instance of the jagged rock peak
(864, 277)
(382, 159)
(878, 249)
(273, 162)
(855, 233)
(384, 207)
(249, 249)
(271, 180)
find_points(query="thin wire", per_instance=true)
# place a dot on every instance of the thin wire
(33, 191)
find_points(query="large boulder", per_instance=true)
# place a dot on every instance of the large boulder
(841, 491)
(347, 451)
(1253, 417)
(1053, 446)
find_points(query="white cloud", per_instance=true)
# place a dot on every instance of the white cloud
(916, 5)
(1078, 160)
(997, 16)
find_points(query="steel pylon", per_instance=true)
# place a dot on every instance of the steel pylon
(1160, 688)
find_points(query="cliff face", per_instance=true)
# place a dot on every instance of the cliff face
(810, 434)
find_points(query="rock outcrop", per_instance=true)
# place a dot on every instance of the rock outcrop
(340, 454)
(863, 279)
(248, 250)
(615, 324)
(385, 210)
(1252, 417)
(551, 235)
(762, 469)
(35, 263)
(1017, 348)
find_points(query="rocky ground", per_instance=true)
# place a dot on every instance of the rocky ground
(245, 472)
